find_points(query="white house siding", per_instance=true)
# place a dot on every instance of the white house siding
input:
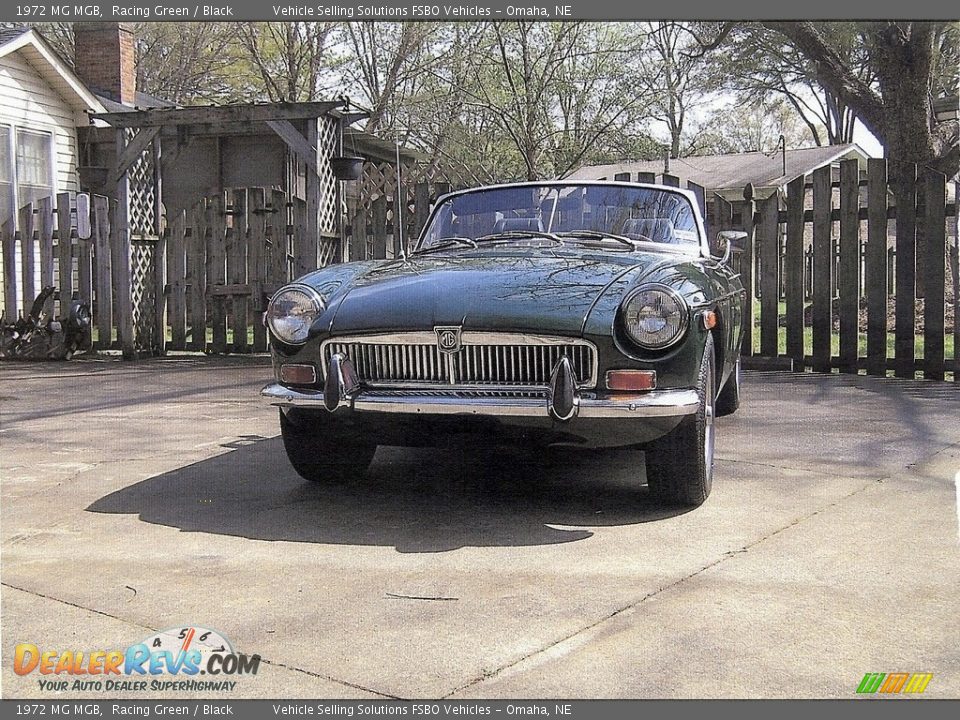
(28, 102)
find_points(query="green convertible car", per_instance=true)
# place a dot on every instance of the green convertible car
(590, 314)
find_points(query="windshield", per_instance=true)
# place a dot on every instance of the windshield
(565, 213)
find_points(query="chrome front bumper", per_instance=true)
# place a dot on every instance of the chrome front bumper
(656, 403)
(561, 400)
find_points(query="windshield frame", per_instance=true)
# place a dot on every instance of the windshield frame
(702, 248)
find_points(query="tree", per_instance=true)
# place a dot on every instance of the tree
(677, 80)
(513, 79)
(387, 62)
(601, 103)
(460, 138)
(762, 65)
(558, 91)
(946, 59)
(759, 126)
(894, 104)
(179, 62)
(288, 58)
(187, 62)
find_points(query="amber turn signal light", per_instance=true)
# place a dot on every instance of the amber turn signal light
(709, 319)
(631, 379)
(293, 374)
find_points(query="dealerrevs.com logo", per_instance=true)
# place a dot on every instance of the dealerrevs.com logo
(172, 660)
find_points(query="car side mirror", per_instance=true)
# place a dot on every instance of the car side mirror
(726, 241)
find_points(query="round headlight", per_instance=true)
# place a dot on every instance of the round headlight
(292, 311)
(655, 317)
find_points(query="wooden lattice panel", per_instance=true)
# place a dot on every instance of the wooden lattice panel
(378, 179)
(143, 294)
(328, 251)
(327, 141)
(436, 174)
(142, 194)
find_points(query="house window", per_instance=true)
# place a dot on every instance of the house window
(34, 166)
(6, 175)
(26, 168)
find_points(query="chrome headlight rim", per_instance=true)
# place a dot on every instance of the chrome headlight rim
(676, 297)
(316, 299)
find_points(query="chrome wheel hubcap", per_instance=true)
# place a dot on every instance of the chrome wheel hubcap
(708, 422)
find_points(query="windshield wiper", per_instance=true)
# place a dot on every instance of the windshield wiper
(595, 235)
(520, 235)
(453, 240)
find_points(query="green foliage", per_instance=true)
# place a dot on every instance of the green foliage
(946, 73)
(494, 101)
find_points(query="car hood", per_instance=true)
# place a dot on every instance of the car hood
(523, 292)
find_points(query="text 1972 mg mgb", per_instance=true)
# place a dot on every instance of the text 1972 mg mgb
(587, 314)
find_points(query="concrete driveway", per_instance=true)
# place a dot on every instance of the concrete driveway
(139, 497)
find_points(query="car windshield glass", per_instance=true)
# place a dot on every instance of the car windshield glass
(586, 213)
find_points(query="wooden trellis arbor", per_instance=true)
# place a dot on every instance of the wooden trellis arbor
(163, 161)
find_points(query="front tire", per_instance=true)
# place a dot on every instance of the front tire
(680, 464)
(324, 449)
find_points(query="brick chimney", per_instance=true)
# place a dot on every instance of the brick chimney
(104, 59)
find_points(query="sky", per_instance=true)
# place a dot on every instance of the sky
(867, 142)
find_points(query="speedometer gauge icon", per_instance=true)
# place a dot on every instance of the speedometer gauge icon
(184, 639)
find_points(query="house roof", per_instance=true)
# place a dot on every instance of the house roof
(733, 171)
(45, 60)
(11, 33)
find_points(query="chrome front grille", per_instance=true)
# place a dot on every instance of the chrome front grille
(483, 359)
(376, 363)
(534, 394)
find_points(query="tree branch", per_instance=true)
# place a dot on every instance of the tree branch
(705, 46)
(833, 74)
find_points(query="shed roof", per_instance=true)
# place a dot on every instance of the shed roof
(733, 171)
(249, 118)
(141, 100)
(374, 146)
(173, 116)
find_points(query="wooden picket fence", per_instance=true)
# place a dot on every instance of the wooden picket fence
(372, 230)
(66, 241)
(852, 228)
(824, 267)
(202, 284)
(224, 258)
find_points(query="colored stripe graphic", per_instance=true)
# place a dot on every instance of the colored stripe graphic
(918, 682)
(870, 682)
(894, 682)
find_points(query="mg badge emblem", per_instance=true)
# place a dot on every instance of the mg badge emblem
(448, 339)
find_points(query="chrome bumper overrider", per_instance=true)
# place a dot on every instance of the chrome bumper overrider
(561, 400)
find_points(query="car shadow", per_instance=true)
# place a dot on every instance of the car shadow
(415, 500)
